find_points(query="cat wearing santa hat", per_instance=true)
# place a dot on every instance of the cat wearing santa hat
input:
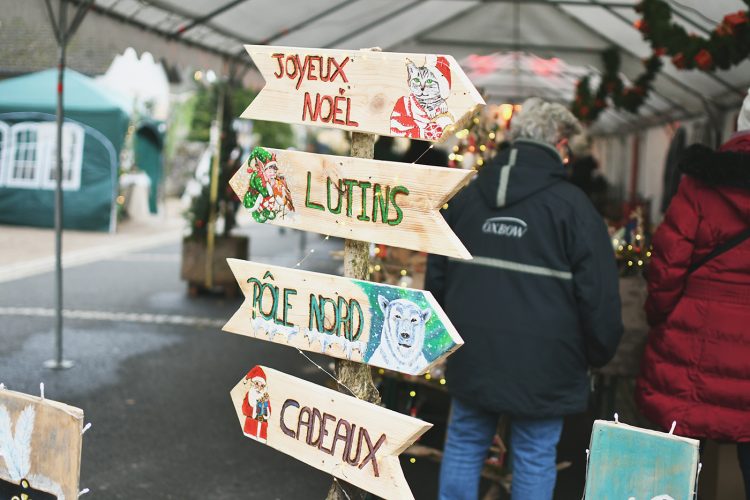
(423, 114)
(256, 406)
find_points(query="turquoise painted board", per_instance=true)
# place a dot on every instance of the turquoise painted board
(629, 463)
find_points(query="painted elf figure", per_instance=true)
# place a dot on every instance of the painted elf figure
(267, 192)
(256, 406)
(423, 114)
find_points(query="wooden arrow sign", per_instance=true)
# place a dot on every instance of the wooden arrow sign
(420, 96)
(368, 200)
(351, 439)
(40, 447)
(387, 326)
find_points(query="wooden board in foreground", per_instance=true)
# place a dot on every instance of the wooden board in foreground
(351, 439)
(386, 326)
(420, 96)
(40, 448)
(367, 200)
(632, 463)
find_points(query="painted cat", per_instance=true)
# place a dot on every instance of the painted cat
(423, 114)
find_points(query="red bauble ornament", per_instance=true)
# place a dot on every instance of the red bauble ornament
(679, 60)
(660, 51)
(641, 25)
(704, 60)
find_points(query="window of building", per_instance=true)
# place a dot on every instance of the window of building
(72, 155)
(4, 146)
(31, 159)
(24, 156)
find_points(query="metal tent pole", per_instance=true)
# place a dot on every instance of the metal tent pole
(58, 363)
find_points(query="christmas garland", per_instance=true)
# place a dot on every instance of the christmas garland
(588, 105)
(727, 46)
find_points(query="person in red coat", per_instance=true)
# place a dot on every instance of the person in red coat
(696, 367)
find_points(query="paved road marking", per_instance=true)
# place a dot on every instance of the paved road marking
(160, 319)
(88, 255)
(147, 257)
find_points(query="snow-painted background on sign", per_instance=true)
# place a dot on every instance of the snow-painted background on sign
(437, 339)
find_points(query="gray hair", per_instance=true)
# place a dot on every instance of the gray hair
(544, 121)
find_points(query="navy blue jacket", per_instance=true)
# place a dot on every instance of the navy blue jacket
(539, 303)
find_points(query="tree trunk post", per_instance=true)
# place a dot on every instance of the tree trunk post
(356, 376)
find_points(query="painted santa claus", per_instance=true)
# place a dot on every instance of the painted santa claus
(256, 406)
(423, 114)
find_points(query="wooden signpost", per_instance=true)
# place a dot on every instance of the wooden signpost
(417, 96)
(386, 326)
(350, 439)
(368, 200)
(420, 96)
(630, 463)
(40, 448)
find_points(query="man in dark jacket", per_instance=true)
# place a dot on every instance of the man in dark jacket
(537, 306)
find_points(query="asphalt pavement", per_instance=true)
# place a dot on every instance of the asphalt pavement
(153, 372)
(153, 369)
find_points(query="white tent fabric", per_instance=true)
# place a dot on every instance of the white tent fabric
(142, 80)
(574, 32)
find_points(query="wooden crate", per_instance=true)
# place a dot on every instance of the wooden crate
(193, 268)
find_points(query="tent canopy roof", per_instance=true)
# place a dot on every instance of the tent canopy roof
(573, 31)
(36, 92)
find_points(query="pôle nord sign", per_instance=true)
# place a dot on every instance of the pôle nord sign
(420, 96)
(40, 447)
(368, 200)
(390, 327)
(351, 439)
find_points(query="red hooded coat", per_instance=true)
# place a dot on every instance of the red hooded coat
(696, 368)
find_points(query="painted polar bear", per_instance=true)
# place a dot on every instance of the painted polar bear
(402, 337)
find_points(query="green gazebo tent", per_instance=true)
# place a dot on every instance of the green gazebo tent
(95, 126)
(148, 146)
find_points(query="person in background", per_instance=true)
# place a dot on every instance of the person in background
(537, 306)
(696, 367)
(585, 173)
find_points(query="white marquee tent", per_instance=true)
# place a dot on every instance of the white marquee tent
(512, 49)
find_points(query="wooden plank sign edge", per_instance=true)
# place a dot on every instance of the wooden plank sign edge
(47, 472)
(363, 91)
(368, 200)
(281, 304)
(694, 445)
(321, 427)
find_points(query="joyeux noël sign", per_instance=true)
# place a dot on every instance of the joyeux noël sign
(420, 96)
(350, 439)
(368, 200)
(391, 327)
(40, 447)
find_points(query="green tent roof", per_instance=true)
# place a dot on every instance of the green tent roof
(38, 92)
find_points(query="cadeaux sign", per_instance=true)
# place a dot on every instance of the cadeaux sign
(368, 200)
(348, 438)
(386, 326)
(640, 464)
(40, 447)
(420, 96)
